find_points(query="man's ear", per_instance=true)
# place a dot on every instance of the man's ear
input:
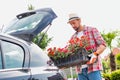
(79, 20)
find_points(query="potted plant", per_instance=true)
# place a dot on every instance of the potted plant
(74, 53)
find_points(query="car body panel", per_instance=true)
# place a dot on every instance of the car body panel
(19, 73)
(44, 73)
(35, 65)
(14, 74)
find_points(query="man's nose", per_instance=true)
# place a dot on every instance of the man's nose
(73, 26)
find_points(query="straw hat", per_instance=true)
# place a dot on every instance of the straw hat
(73, 16)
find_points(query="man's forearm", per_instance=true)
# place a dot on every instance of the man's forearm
(100, 49)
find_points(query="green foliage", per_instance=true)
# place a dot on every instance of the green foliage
(42, 40)
(74, 76)
(118, 60)
(106, 65)
(109, 37)
(118, 41)
(30, 7)
(106, 76)
(118, 57)
(115, 75)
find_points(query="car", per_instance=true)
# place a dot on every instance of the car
(20, 58)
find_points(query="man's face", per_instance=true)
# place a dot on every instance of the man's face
(75, 24)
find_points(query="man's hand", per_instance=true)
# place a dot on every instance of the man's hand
(93, 58)
(50, 62)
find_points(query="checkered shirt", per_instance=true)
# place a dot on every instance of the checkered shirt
(95, 39)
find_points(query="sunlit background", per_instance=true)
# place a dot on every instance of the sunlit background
(102, 14)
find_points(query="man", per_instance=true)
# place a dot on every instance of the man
(91, 70)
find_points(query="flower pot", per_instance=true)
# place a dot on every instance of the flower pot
(78, 58)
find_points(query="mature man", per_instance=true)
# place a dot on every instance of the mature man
(91, 70)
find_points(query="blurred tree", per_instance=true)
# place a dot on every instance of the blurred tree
(118, 41)
(42, 40)
(118, 60)
(106, 66)
(109, 37)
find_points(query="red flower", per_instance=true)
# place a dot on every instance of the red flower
(73, 45)
(51, 51)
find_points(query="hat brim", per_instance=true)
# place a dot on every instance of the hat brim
(73, 19)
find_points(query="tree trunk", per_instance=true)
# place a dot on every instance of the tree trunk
(112, 62)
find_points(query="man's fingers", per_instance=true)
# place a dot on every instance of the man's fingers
(91, 61)
(88, 62)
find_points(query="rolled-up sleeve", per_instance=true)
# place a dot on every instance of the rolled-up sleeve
(98, 37)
